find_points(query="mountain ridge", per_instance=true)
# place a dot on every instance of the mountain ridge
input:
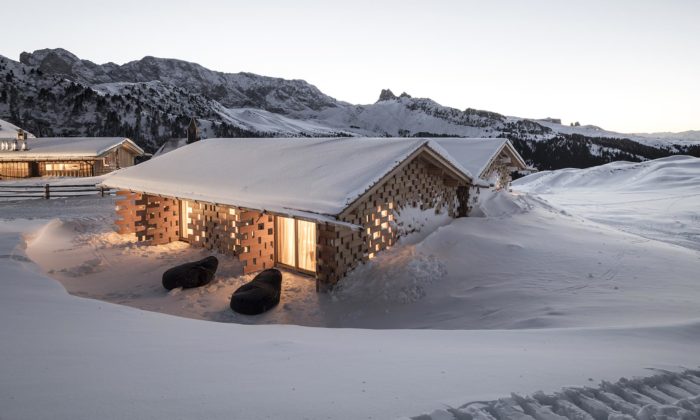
(53, 92)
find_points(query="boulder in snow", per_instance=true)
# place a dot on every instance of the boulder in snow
(259, 295)
(192, 274)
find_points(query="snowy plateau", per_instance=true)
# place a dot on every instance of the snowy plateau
(575, 295)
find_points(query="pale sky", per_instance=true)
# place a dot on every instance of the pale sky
(629, 66)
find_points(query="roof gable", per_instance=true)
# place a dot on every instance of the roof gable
(477, 154)
(322, 176)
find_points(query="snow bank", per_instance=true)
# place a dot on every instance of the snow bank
(657, 199)
(675, 172)
(527, 264)
(74, 358)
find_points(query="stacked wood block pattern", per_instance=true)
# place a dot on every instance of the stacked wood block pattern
(131, 212)
(418, 185)
(162, 220)
(339, 249)
(257, 240)
(234, 231)
(224, 229)
(214, 227)
(153, 219)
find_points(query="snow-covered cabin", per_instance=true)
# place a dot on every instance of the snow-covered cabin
(491, 159)
(24, 157)
(317, 206)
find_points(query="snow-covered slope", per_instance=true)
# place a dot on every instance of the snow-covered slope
(536, 299)
(538, 293)
(657, 199)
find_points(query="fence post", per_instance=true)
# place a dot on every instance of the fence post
(47, 193)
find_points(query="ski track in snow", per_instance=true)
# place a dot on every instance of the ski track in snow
(665, 395)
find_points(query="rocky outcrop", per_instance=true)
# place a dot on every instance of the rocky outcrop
(386, 95)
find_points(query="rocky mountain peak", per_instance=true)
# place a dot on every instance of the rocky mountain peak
(386, 95)
(50, 60)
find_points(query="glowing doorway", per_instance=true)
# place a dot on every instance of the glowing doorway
(296, 243)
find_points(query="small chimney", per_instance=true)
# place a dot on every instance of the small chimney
(21, 142)
(192, 131)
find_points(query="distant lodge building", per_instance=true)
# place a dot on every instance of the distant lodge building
(65, 156)
(316, 206)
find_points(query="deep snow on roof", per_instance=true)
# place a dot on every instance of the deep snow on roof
(318, 175)
(472, 153)
(9, 131)
(66, 147)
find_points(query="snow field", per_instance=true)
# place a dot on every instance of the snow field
(531, 296)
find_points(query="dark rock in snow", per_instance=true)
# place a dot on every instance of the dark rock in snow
(193, 274)
(259, 295)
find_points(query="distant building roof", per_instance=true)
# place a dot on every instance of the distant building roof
(9, 131)
(70, 148)
(316, 175)
(477, 154)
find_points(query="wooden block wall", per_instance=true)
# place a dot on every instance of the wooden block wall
(162, 220)
(215, 227)
(131, 212)
(225, 229)
(257, 241)
(341, 249)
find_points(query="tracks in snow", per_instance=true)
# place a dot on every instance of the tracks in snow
(666, 395)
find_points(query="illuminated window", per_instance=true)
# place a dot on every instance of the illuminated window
(296, 243)
(186, 219)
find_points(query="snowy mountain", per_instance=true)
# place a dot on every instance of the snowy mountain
(53, 92)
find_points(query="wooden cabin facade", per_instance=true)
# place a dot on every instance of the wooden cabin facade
(326, 246)
(66, 156)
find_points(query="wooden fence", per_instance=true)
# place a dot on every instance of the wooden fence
(48, 191)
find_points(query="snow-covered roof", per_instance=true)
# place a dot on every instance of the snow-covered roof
(285, 175)
(477, 154)
(67, 148)
(9, 131)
